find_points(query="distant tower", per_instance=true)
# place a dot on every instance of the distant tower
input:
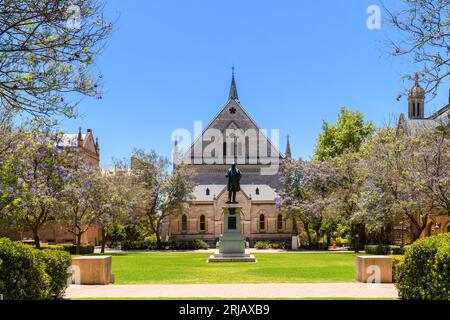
(416, 101)
(80, 137)
(175, 153)
(288, 152)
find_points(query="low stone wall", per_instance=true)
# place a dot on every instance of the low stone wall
(92, 270)
(374, 269)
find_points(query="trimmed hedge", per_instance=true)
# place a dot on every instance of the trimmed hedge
(425, 272)
(70, 248)
(28, 273)
(261, 245)
(56, 265)
(384, 250)
(171, 245)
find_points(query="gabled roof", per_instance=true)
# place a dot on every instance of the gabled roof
(240, 117)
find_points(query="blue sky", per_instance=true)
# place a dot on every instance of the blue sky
(297, 62)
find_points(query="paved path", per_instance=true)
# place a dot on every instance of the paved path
(250, 250)
(275, 290)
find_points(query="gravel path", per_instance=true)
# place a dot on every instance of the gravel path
(275, 290)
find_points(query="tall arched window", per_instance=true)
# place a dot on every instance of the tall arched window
(418, 109)
(202, 223)
(184, 223)
(224, 149)
(262, 223)
(280, 222)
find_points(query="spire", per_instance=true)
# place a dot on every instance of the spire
(175, 153)
(80, 137)
(288, 152)
(233, 90)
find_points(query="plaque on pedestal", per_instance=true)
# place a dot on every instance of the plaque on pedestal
(232, 242)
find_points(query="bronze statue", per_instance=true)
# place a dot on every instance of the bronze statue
(234, 178)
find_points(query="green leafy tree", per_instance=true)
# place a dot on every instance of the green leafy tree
(348, 133)
(36, 173)
(160, 194)
(81, 194)
(47, 54)
(422, 39)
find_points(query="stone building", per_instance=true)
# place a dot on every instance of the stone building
(414, 123)
(202, 218)
(56, 233)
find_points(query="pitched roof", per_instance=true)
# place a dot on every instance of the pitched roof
(266, 193)
(231, 114)
(70, 139)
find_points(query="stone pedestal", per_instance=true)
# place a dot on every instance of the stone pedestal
(374, 269)
(232, 242)
(92, 270)
(295, 242)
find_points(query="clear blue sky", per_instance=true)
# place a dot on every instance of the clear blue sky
(297, 62)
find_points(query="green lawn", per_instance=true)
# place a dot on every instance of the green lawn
(185, 268)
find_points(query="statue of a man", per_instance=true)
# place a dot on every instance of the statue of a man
(234, 177)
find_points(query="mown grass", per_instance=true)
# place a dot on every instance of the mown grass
(192, 268)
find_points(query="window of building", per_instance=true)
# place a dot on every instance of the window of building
(262, 223)
(418, 109)
(224, 149)
(257, 191)
(202, 223)
(207, 192)
(280, 222)
(184, 223)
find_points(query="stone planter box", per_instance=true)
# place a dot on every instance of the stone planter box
(92, 270)
(377, 268)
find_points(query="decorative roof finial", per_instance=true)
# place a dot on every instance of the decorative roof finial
(233, 90)
(417, 78)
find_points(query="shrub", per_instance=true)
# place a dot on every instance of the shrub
(425, 273)
(56, 266)
(260, 245)
(84, 248)
(52, 247)
(377, 249)
(22, 272)
(70, 248)
(397, 250)
(187, 245)
(397, 261)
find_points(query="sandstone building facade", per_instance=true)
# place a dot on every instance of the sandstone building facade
(413, 123)
(202, 218)
(89, 149)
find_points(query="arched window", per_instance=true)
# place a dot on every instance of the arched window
(262, 223)
(418, 109)
(257, 191)
(280, 222)
(224, 149)
(207, 192)
(202, 223)
(184, 223)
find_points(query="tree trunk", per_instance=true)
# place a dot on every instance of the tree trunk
(78, 243)
(37, 241)
(103, 240)
(308, 234)
(328, 238)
